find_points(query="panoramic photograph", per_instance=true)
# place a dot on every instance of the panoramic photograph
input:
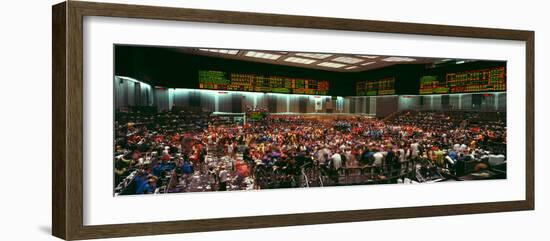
(194, 119)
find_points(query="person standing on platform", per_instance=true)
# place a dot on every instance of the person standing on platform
(223, 179)
(337, 161)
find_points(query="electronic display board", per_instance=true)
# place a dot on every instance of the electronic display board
(385, 86)
(219, 80)
(482, 80)
(430, 85)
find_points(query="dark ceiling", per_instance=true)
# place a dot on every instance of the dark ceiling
(337, 62)
(171, 66)
(178, 67)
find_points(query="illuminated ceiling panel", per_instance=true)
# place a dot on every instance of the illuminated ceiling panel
(331, 65)
(322, 61)
(398, 59)
(299, 60)
(221, 51)
(347, 60)
(315, 56)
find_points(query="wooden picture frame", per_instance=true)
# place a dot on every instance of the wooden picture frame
(67, 124)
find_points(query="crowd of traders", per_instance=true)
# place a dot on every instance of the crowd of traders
(150, 150)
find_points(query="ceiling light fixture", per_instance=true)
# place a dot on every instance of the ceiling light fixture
(315, 56)
(221, 51)
(368, 56)
(368, 63)
(299, 60)
(331, 65)
(262, 55)
(398, 59)
(347, 60)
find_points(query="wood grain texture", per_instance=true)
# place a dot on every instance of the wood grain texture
(59, 193)
(530, 120)
(279, 20)
(74, 110)
(104, 231)
(67, 171)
